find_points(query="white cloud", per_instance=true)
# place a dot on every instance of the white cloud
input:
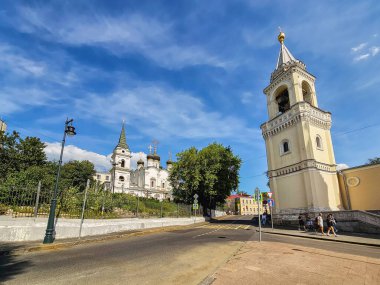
(119, 34)
(16, 99)
(71, 152)
(11, 59)
(100, 161)
(247, 97)
(163, 113)
(374, 50)
(362, 57)
(359, 47)
(341, 166)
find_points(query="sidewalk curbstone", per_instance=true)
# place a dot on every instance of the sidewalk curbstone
(322, 238)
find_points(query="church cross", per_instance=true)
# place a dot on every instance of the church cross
(150, 149)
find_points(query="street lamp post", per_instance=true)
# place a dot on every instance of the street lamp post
(49, 235)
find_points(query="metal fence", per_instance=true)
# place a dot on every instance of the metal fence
(94, 202)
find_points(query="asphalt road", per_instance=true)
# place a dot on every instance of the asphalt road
(185, 256)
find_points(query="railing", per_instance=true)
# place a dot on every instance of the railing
(34, 202)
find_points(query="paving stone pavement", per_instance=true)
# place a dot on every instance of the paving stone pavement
(281, 263)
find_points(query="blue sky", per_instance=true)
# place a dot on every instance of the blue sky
(186, 73)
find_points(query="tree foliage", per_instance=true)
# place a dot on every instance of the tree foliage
(212, 173)
(17, 154)
(23, 164)
(375, 160)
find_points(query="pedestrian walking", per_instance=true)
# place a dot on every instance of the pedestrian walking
(309, 223)
(334, 223)
(301, 223)
(330, 225)
(264, 218)
(320, 223)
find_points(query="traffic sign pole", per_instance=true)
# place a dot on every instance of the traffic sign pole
(271, 214)
(257, 192)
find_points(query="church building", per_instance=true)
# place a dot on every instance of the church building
(151, 180)
(301, 163)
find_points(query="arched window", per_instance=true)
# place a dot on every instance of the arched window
(122, 163)
(306, 93)
(283, 102)
(121, 178)
(284, 147)
(318, 141)
(152, 183)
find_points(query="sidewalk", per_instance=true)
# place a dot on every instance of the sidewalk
(281, 263)
(362, 239)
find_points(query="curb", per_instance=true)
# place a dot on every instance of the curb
(322, 239)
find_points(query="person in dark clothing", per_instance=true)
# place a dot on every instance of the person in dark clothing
(330, 225)
(301, 223)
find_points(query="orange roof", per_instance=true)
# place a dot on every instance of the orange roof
(237, 196)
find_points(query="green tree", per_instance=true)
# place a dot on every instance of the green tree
(375, 160)
(31, 152)
(18, 154)
(75, 174)
(212, 173)
(8, 154)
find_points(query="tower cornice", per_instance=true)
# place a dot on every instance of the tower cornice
(302, 111)
(285, 74)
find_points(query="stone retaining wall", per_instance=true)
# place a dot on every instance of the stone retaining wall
(30, 229)
(350, 221)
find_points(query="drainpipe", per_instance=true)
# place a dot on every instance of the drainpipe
(346, 189)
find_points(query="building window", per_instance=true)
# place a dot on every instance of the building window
(107, 178)
(152, 183)
(318, 141)
(121, 178)
(122, 163)
(285, 147)
(98, 177)
(163, 184)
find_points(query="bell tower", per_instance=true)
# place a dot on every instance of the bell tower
(121, 164)
(301, 163)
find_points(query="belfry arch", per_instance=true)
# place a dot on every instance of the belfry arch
(307, 93)
(282, 99)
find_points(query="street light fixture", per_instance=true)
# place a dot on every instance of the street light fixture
(50, 230)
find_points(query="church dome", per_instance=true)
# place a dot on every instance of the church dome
(140, 161)
(169, 162)
(153, 156)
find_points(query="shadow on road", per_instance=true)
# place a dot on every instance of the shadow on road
(10, 266)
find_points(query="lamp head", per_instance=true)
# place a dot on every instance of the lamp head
(70, 131)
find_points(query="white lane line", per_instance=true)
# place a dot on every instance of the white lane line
(217, 229)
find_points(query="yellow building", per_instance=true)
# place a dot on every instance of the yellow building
(244, 205)
(360, 188)
(300, 156)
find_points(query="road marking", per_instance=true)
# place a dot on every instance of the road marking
(219, 227)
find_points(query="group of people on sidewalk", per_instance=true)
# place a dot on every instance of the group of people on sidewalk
(317, 224)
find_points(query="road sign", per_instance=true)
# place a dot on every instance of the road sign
(270, 194)
(270, 202)
(195, 206)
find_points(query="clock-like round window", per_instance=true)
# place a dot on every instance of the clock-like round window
(353, 181)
